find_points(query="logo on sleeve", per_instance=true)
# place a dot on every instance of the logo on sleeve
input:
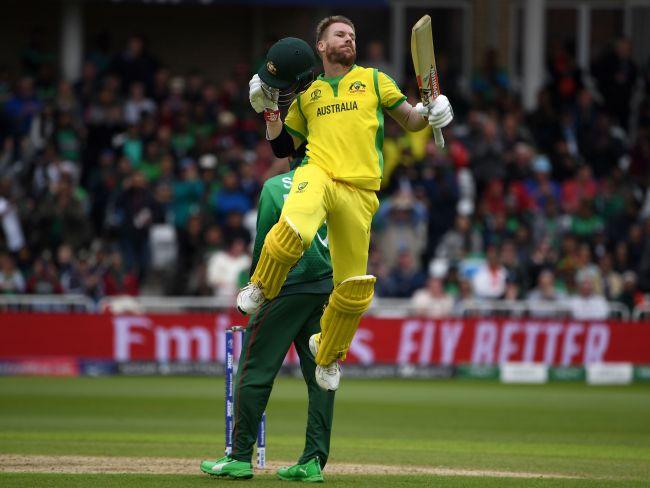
(315, 95)
(302, 186)
(357, 87)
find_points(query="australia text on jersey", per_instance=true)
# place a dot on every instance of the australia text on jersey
(336, 108)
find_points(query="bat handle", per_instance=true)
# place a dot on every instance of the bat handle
(440, 140)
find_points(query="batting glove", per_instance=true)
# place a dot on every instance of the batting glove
(439, 113)
(262, 97)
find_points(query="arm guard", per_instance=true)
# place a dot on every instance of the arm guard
(282, 145)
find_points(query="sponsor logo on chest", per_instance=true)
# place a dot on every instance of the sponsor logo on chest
(357, 87)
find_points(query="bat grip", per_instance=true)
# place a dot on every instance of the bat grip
(440, 140)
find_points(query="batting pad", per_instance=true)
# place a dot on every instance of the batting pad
(349, 300)
(282, 249)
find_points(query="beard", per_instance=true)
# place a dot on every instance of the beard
(341, 56)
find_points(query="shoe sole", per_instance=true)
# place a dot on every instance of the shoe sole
(310, 479)
(229, 475)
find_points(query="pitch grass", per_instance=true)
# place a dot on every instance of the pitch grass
(142, 481)
(600, 433)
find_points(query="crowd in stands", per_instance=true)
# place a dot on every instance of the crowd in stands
(136, 179)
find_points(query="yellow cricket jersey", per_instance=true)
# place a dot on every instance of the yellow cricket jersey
(342, 121)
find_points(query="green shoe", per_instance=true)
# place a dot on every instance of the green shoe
(227, 466)
(309, 472)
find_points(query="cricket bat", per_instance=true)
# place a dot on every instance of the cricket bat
(424, 62)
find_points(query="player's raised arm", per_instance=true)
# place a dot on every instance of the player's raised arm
(415, 118)
(437, 114)
(287, 72)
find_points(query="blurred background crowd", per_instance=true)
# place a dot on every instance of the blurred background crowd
(136, 179)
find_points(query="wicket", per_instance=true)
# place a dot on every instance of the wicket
(230, 401)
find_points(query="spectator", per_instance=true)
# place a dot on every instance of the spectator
(14, 239)
(401, 225)
(135, 64)
(225, 269)
(515, 267)
(575, 190)
(432, 301)
(611, 281)
(405, 277)
(487, 162)
(441, 192)
(61, 215)
(188, 192)
(135, 208)
(234, 229)
(544, 299)
(231, 198)
(11, 279)
(585, 224)
(118, 279)
(23, 107)
(90, 273)
(191, 252)
(464, 297)
(586, 304)
(460, 241)
(376, 57)
(616, 74)
(489, 282)
(541, 188)
(137, 104)
(70, 276)
(44, 280)
(630, 296)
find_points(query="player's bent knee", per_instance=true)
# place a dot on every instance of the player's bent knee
(282, 249)
(354, 295)
(349, 300)
(283, 242)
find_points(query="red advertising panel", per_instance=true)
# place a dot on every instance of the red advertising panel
(199, 337)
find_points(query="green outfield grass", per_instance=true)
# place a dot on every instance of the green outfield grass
(598, 433)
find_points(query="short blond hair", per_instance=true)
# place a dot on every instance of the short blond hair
(327, 21)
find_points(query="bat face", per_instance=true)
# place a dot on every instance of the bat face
(428, 84)
(424, 60)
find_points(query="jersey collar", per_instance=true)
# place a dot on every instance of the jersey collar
(336, 79)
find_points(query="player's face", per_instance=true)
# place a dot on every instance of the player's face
(340, 44)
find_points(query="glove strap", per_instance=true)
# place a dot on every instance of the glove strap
(271, 115)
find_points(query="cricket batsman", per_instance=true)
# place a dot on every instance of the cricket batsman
(293, 316)
(340, 116)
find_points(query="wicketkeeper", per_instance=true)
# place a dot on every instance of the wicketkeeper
(341, 118)
(292, 317)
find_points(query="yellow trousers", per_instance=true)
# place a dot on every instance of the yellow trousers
(316, 198)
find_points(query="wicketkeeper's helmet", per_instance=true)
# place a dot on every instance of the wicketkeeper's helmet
(289, 68)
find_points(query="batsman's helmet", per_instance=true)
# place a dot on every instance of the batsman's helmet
(288, 68)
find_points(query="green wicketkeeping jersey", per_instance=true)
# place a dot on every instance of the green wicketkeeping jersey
(313, 273)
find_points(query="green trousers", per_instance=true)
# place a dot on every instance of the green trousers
(270, 332)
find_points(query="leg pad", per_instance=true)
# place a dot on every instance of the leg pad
(282, 250)
(347, 303)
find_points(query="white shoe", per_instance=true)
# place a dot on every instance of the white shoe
(328, 377)
(314, 342)
(250, 299)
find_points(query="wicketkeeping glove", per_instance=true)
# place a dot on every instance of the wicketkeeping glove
(263, 98)
(439, 113)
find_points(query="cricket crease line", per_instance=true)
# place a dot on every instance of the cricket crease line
(22, 463)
